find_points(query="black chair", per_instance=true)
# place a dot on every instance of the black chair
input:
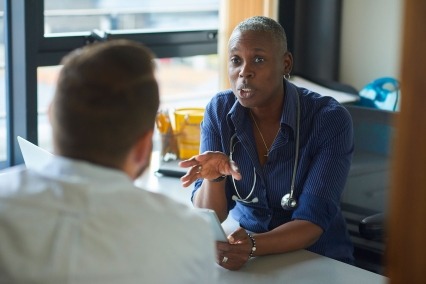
(364, 200)
(373, 227)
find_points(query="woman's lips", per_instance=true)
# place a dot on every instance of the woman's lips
(245, 93)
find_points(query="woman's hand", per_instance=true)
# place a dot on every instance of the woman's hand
(235, 254)
(208, 165)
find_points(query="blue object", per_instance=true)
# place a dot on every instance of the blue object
(382, 93)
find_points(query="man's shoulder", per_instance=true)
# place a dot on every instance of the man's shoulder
(15, 170)
(161, 206)
(11, 178)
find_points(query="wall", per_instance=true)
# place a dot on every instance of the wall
(313, 37)
(370, 40)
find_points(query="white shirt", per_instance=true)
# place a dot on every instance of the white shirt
(74, 222)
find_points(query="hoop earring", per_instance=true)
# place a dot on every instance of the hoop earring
(287, 76)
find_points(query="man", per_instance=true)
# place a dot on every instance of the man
(276, 154)
(80, 219)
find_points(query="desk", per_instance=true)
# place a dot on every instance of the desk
(302, 267)
(295, 267)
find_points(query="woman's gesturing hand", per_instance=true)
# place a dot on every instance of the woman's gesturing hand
(208, 165)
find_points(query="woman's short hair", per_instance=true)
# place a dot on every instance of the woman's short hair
(264, 24)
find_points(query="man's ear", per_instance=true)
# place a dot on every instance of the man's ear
(143, 148)
(49, 112)
(139, 156)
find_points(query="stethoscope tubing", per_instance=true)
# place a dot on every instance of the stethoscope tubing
(238, 197)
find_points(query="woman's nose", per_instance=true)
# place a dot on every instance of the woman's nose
(246, 71)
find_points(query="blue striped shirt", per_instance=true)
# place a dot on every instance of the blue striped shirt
(326, 146)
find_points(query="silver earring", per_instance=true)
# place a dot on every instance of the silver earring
(287, 76)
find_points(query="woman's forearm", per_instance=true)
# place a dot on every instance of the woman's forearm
(212, 195)
(294, 235)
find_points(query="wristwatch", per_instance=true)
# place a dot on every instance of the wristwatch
(218, 179)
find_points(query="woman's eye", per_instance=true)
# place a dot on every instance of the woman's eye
(235, 60)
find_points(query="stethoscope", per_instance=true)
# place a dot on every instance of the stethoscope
(288, 201)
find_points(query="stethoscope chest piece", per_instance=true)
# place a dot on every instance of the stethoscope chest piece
(288, 202)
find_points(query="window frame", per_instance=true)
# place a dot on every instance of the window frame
(27, 48)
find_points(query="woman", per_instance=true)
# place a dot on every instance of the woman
(264, 137)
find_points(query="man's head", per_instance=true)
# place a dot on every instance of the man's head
(106, 101)
(258, 60)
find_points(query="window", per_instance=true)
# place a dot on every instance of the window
(46, 80)
(42, 32)
(79, 16)
(3, 139)
(183, 81)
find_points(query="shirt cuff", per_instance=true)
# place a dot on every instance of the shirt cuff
(316, 210)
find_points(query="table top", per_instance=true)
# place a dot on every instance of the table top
(298, 267)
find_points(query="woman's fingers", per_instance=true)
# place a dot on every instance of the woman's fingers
(208, 165)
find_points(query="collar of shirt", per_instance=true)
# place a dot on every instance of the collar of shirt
(236, 114)
(78, 171)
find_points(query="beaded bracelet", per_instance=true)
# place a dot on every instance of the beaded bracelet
(253, 245)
